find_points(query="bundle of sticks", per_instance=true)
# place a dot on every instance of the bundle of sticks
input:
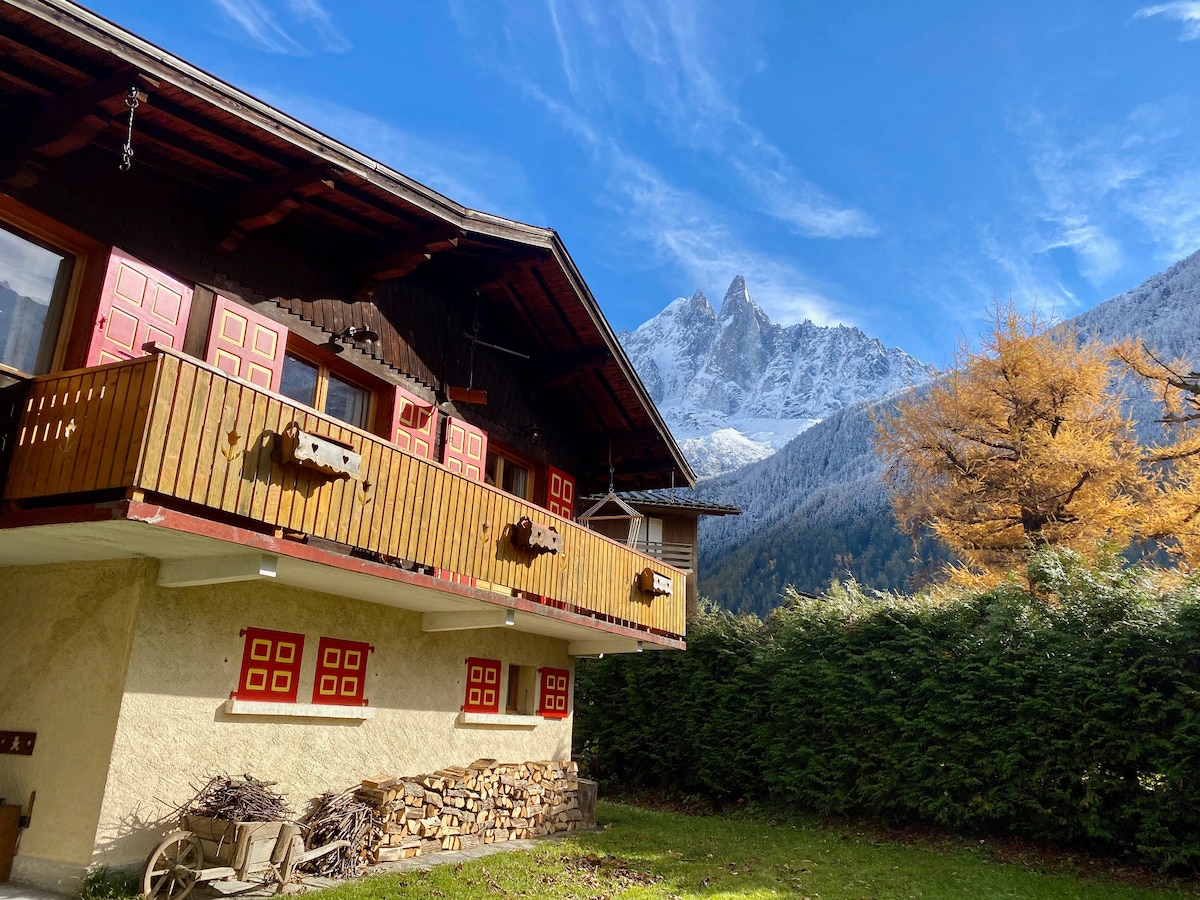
(233, 800)
(340, 817)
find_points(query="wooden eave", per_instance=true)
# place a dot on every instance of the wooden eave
(196, 127)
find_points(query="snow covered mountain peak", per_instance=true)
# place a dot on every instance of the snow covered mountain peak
(734, 386)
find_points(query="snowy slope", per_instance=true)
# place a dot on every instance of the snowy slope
(735, 387)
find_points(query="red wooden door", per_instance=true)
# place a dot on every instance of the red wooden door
(246, 344)
(138, 304)
(466, 449)
(414, 422)
(560, 493)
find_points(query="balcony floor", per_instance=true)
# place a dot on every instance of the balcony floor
(132, 529)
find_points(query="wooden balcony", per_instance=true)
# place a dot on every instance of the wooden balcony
(169, 427)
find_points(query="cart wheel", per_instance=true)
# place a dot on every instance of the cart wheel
(171, 867)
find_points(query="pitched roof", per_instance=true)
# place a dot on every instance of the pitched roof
(62, 62)
(678, 500)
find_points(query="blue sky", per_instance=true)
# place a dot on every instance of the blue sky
(888, 165)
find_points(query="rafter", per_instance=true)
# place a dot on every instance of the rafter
(267, 203)
(68, 122)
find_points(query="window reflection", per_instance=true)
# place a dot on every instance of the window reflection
(34, 279)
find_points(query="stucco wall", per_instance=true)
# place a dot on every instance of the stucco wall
(186, 658)
(65, 641)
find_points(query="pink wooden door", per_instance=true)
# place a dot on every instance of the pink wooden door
(137, 304)
(246, 344)
(414, 422)
(466, 449)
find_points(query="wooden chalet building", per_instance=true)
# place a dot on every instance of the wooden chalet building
(290, 448)
(668, 530)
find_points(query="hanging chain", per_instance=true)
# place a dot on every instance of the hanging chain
(133, 102)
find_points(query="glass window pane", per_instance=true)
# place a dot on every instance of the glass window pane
(299, 380)
(33, 285)
(516, 479)
(347, 402)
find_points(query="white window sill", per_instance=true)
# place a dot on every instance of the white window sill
(236, 707)
(499, 720)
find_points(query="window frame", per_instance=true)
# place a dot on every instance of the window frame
(86, 275)
(328, 366)
(504, 456)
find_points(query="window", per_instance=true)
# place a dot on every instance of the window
(483, 686)
(270, 666)
(315, 384)
(519, 695)
(341, 672)
(509, 475)
(555, 688)
(35, 279)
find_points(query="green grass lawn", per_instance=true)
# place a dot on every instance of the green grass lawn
(649, 854)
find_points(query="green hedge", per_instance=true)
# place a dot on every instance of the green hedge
(1069, 716)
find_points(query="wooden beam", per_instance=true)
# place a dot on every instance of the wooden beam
(405, 256)
(216, 569)
(265, 204)
(601, 646)
(468, 620)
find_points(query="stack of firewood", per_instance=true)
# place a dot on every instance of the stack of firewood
(460, 808)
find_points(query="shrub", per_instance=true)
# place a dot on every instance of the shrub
(1064, 709)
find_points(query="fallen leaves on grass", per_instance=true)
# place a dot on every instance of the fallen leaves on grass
(608, 875)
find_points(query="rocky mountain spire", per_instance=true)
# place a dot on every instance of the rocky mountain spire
(734, 386)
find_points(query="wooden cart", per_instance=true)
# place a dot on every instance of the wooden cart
(206, 849)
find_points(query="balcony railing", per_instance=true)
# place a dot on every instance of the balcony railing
(171, 426)
(681, 556)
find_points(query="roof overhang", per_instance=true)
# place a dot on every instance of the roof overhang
(200, 128)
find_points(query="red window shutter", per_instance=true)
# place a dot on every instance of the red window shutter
(341, 672)
(466, 449)
(414, 424)
(555, 690)
(246, 344)
(483, 685)
(560, 493)
(138, 303)
(270, 666)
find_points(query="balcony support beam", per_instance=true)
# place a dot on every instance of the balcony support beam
(603, 646)
(467, 620)
(199, 570)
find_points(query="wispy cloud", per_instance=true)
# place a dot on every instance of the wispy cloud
(466, 174)
(259, 25)
(1100, 186)
(263, 28)
(670, 66)
(699, 239)
(673, 63)
(312, 12)
(783, 194)
(1186, 12)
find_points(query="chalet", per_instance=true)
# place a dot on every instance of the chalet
(667, 526)
(291, 449)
